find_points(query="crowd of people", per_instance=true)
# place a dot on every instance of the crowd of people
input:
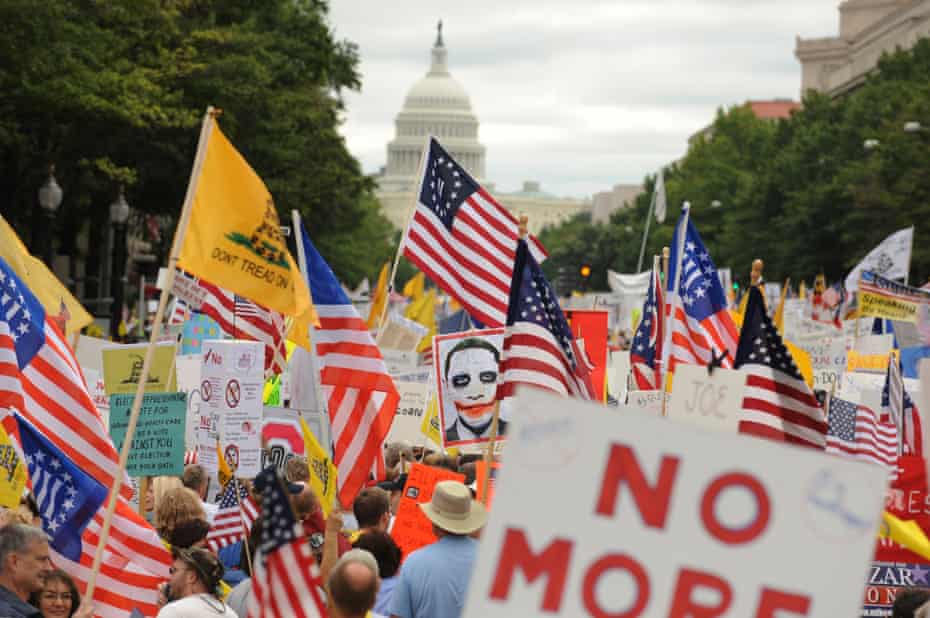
(363, 571)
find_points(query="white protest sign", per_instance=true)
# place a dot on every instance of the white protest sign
(649, 402)
(828, 359)
(409, 417)
(710, 400)
(854, 383)
(923, 405)
(669, 528)
(875, 344)
(89, 352)
(187, 367)
(231, 386)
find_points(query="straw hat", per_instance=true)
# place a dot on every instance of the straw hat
(453, 509)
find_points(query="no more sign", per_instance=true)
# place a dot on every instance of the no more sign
(596, 516)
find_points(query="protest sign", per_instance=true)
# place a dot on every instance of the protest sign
(481, 473)
(590, 327)
(869, 363)
(883, 298)
(853, 384)
(874, 344)
(923, 406)
(905, 498)
(694, 509)
(122, 368)
(187, 369)
(195, 330)
(158, 444)
(649, 402)
(466, 369)
(231, 384)
(886, 581)
(910, 359)
(828, 359)
(282, 437)
(414, 397)
(89, 352)
(412, 530)
(712, 400)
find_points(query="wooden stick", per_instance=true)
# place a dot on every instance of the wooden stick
(424, 155)
(144, 486)
(245, 541)
(206, 128)
(489, 453)
(74, 341)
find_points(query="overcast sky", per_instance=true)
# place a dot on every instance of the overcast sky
(577, 94)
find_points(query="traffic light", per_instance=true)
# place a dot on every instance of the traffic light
(585, 272)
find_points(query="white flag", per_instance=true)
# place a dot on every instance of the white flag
(890, 259)
(661, 203)
(632, 285)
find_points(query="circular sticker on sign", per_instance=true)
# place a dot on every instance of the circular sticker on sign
(231, 455)
(835, 506)
(233, 393)
(206, 390)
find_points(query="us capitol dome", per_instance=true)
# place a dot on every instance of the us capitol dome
(439, 105)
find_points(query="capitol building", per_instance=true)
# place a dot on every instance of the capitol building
(438, 105)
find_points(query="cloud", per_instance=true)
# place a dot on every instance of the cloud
(578, 95)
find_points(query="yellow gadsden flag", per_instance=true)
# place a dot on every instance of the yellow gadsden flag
(413, 289)
(905, 533)
(12, 472)
(56, 299)
(234, 238)
(423, 311)
(379, 298)
(322, 471)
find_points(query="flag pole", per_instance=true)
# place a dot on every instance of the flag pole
(424, 155)
(642, 247)
(314, 368)
(245, 540)
(206, 128)
(681, 233)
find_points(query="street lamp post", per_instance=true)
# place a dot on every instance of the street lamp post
(119, 215)
(50, 196)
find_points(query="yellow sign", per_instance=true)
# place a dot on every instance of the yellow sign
(430, 425)
(323, 474)
(234, 237)
(122, 368)
(12, 472)
(873, 363)
(888, 307)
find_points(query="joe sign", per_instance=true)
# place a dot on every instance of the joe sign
(659, 519)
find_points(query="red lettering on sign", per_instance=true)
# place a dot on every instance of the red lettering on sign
(771, 601)
(552, 563)
(607, 563)
(735, 536)
(652, 501)
(685, 606)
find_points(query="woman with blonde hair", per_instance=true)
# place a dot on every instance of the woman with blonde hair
(180, 519)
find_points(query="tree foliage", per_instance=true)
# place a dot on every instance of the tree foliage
(804, 194)
(112, 92)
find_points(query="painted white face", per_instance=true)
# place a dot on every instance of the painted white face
(472, 383)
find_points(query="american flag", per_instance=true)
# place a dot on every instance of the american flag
(646, 350)
(539, 348)
(900, 408)
(179, 312)
(359, 392)
(56, 400)
(697, 320)
(285, 578)
(40, 380)
(777, 403)
(234, 518)
(463, 239)
(240, 318)
(856, 432)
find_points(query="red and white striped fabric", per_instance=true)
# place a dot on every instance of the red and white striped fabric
(190, 456)
(234, 519)
(243, 319)
(285, 579)
(179, 312)
(539, 348)
(777, 402)
(698, 322)
(135, 560)
(857, 432)
(359, 392)
(463, 239)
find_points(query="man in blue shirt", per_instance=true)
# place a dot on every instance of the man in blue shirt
(434, 579)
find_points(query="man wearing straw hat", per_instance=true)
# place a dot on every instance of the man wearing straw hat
(434, 579)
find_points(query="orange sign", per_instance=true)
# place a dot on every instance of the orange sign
(590, 326)
(481, 471)
(412, 530)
